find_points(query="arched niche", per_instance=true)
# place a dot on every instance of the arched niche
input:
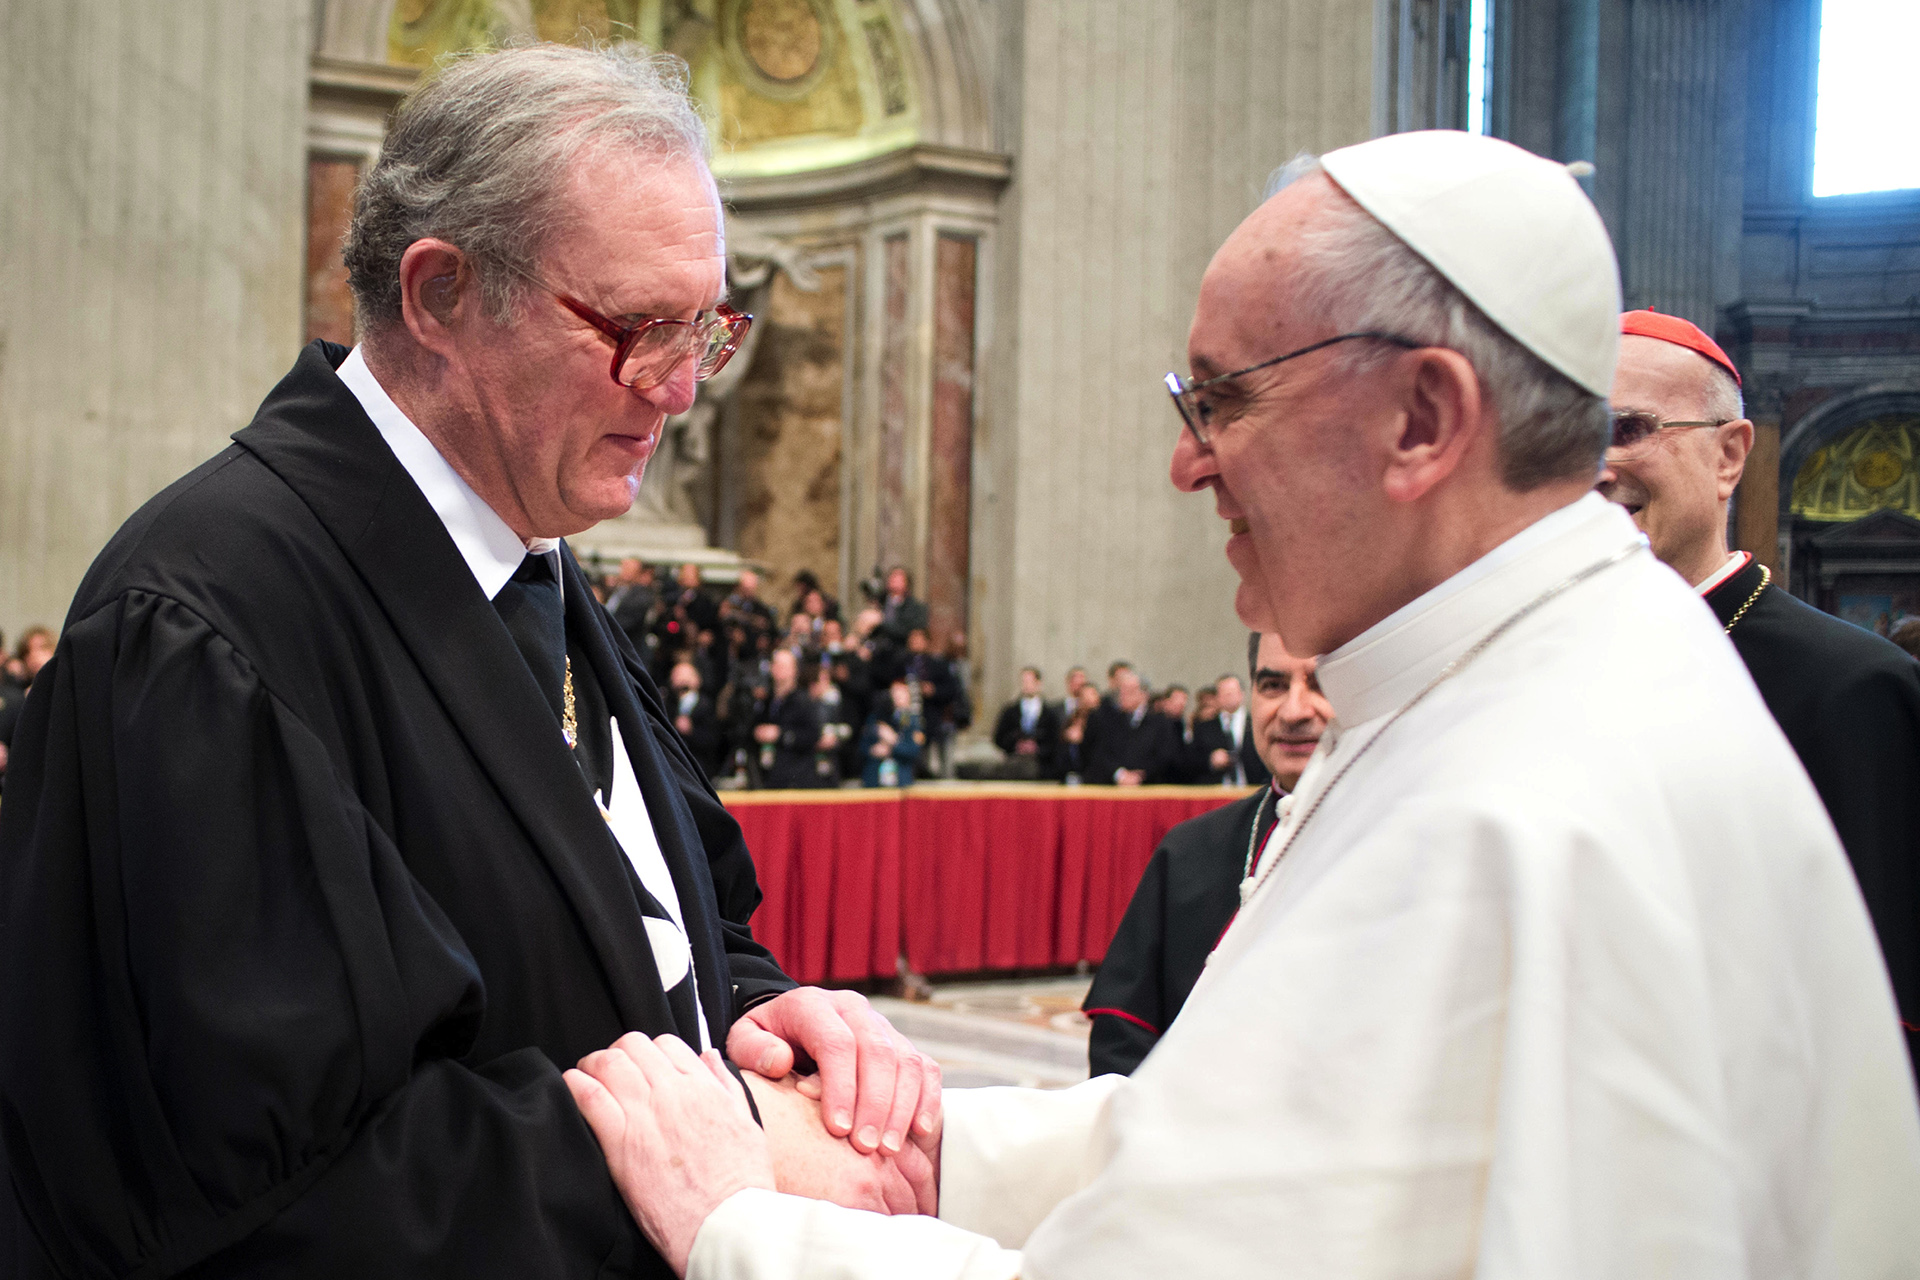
(1850, 504)
(1826, 423)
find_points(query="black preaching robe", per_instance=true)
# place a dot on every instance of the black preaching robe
(304, 904)
(1186, 899)
(1849, 703)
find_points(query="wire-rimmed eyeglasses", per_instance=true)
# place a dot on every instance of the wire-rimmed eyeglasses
(1635, 430)
(1197, 411)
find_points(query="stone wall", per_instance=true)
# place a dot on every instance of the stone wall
(152, 205)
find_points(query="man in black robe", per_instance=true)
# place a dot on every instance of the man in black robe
(1848, 700)
(344, 818)
(1191, 888)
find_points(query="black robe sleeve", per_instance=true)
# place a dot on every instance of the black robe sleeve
(1125, 1001)
(235, 1025)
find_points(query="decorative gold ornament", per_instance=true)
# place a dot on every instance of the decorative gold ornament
(782, 38)
(1878, 469)
(1875, 466)
(1766, 576)
(569, 722)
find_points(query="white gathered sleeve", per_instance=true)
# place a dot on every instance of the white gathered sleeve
(764, 1235)
(1009, 1156)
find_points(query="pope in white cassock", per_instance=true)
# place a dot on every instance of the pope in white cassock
(1553, 967)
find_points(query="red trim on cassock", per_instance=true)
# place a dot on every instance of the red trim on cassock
(1122, 1013)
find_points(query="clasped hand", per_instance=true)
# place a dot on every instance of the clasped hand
(678, 1138)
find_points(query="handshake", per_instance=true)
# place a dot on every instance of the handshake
(679, 1138)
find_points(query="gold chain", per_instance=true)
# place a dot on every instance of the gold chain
(569, 723)
(1766, 576)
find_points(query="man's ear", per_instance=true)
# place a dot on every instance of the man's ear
(1441, 405)
(437, 291)
(1736, 442)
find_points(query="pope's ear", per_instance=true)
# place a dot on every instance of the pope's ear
(436, 289)
(1736, 442)
(1440, 420)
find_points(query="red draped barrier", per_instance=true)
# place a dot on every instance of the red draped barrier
(959, 879)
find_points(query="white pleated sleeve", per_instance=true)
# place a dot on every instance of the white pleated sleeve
(1007, 1158)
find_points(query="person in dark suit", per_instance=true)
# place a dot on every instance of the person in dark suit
(1070, 755)
(786, 728)
(1847, 700)
(683, 615)
(1191, 887)
(1223, 749)
(901, 613)
(695, 718)
(631, 602)
(1028, 728)
(344, 820)
(1128, 743)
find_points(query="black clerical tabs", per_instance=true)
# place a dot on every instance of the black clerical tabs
(530, 606)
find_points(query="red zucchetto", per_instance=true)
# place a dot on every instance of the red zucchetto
(1682, 333)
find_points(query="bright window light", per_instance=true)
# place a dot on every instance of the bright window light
(1477, 17)
(1866, 133)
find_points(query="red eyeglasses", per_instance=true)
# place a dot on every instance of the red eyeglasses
(646, 354)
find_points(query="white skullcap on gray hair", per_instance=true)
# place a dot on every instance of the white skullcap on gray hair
(1511, 231)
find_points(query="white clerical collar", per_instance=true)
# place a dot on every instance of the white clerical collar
(1735, 563)
(491, 549)
(1392, 660)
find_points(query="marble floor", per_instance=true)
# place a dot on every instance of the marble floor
(1025, 1031)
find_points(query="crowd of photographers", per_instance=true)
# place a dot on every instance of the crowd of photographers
(805, 696)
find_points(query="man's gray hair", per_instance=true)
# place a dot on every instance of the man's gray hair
(1360, 276)
(479, 156)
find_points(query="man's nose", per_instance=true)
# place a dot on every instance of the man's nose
(1607, 474)
(1193, 466)
(676, 394)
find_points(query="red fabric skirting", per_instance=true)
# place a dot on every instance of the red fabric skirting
(959, 879)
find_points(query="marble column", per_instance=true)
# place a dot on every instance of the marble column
(153, 168)
(950, 437)
(1144, 131)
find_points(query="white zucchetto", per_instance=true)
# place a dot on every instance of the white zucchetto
(1513, 232)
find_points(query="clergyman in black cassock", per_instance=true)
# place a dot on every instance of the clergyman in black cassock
(1849, 703)
(1186, 898)
(306, 903)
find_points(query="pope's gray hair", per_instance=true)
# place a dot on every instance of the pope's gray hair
(480, 154)
(1360, 276)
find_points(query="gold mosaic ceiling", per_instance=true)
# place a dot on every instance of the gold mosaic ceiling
(789, 85)
(1874, 467)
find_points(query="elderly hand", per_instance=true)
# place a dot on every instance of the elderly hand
(809, 1161)
(873, 1085)
(676, 1133)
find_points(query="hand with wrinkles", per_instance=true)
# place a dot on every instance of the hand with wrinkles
(679, 1140)
(873, 1086)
